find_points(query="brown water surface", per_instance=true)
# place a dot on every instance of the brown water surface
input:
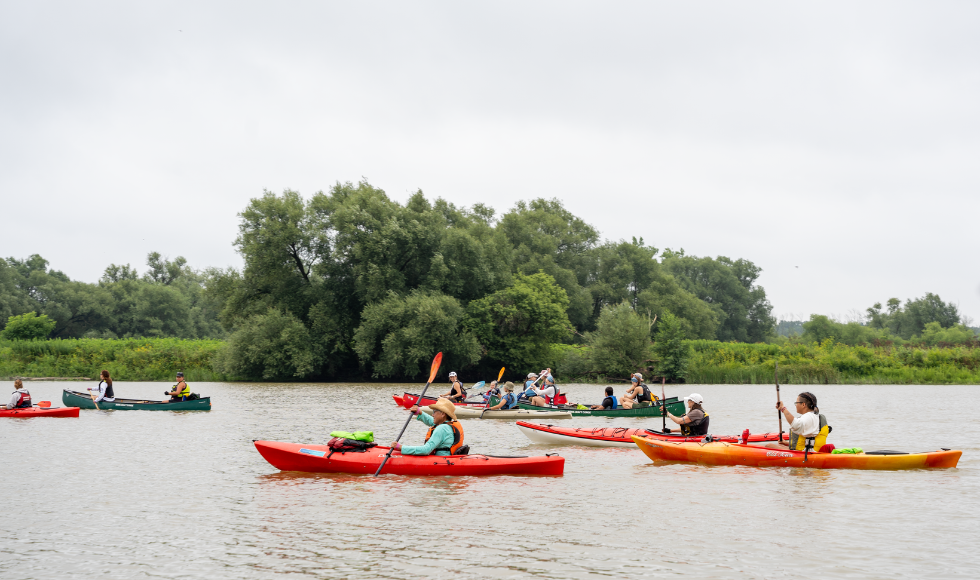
(126, 494)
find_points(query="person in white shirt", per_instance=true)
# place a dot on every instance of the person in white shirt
(104, 389)
(548, 390)
(809, 431)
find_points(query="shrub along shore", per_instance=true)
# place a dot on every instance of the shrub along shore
(708, 362)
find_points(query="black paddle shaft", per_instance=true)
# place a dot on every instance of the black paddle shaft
(409, 420)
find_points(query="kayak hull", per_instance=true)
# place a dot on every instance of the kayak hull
(673, 405)
(407, 400)
(471, 413)
(615, 436)
(40, 412)
(318, 459)
(758, 456)
(84, 401)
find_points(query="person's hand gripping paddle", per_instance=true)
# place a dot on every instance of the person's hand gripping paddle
(436, 362)
(487, 406)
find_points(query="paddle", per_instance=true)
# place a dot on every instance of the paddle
(779, 404)
(663, 400)
(487, 406)
(432, 376)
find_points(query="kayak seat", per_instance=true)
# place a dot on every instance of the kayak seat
(464, 450)
(886, 452)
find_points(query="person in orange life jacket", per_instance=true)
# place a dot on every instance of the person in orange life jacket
(104, 389)
(180, 391)
(456, 393)
(445, 435)
(547, 392)
(508, 400)
(609, 402)
(21, 397)
(695, 421)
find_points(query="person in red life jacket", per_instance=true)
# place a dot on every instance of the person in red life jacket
(21, 398)
(547, 392)
(609, 402)
(695, 421)
(445, 436)
(456, 393)
(104, 389)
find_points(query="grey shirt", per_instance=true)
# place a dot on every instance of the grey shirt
(15, 398)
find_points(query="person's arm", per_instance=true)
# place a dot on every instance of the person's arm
(437, 440)
(101, 393)
(425, 418)
(14, 399)
(679, 420)
(789, 416)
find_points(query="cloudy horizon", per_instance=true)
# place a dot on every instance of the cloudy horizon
(834, 146)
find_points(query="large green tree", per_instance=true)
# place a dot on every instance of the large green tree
(621, 342)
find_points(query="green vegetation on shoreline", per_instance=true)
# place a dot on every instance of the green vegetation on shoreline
(710, 362)
(128, 359)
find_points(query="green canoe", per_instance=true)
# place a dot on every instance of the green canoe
(84, 401)
(675, 406)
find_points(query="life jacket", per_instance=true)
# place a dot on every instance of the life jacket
(462, 393)
(457, 437)
(696, 430)
(25, 399)
(808, 444)
(645, 396)
(183, 394)
(511, 401)
(614, 400)
(108, 390)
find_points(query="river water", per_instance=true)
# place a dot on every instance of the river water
(126, 494)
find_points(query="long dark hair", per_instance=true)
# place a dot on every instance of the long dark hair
(105, 377)
(811, 401)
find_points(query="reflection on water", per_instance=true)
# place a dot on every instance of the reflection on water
(185, 495)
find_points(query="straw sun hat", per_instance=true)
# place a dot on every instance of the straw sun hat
(446, 406)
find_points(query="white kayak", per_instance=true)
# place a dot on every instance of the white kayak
(468, 413)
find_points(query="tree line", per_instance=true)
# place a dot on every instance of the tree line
(350, 283)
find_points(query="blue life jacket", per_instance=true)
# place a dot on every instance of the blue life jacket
(615, 402)
(510, 401)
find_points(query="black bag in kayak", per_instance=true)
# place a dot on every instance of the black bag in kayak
(341, 445)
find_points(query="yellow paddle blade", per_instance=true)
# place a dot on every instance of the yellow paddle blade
(502, 369)
(436, 362)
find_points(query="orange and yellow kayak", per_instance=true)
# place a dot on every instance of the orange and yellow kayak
(759, 456)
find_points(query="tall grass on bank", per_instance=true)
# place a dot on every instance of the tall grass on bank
(129, 359)
(714, 362)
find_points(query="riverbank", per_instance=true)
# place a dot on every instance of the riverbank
(131, 359)
(710, 362)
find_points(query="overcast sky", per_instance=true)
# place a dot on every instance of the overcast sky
(834, 144)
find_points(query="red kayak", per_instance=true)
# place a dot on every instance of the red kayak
(407, 400)
(40, 412)
(319, 459)
(618, 436)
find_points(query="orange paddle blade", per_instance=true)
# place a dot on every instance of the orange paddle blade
(436, 363)
(44, 404)
(502, 369)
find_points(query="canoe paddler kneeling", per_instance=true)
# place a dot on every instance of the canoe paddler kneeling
(445, 436)
(695, 421)
(809, 431)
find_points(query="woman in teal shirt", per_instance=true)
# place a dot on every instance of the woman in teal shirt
(445, 435)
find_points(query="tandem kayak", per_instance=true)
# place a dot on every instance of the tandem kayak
(407, 400)
(758, 456)
(27, 413)
(511, 414)
(84, 400)
(617, 436)
(319, 459)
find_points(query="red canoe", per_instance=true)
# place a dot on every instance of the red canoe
(618, 436)
(318, 459)
(40, 412)
(408, 399)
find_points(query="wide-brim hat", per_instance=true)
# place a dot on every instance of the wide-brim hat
(446, 406)
(509, 386)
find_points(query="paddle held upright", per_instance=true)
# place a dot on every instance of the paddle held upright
(436, 362)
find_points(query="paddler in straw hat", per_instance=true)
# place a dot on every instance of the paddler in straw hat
(445, 436)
